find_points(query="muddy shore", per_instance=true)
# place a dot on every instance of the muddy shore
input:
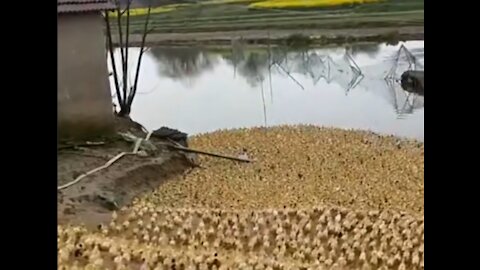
(92, 200)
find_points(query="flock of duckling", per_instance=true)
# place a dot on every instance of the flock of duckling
(315, 198)
(302, 166)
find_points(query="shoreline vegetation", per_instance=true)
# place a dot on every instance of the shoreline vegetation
(259, 38)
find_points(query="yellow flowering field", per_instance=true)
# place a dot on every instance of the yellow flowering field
(227, 1)
(306, 3)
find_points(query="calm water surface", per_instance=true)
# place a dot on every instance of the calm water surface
(197, 90)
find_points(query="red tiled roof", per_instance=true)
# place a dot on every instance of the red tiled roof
(76, 6)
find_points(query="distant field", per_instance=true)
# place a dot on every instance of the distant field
(307, 3)
(234, 15)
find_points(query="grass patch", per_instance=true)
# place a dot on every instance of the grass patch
(154, 10)
(231, 15)
(297, 41)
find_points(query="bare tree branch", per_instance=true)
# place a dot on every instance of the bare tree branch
(112, 58)
(150, 30)
(120, 31)
(125, 110)
(140, 55)
(127, 8)
(125, 90)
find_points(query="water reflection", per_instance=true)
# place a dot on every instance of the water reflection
(370, 49)
(352, 87)
(179, 63)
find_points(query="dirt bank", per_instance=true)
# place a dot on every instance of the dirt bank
(92, 200)
(317, 36)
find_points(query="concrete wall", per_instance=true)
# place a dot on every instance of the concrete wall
(84, 98)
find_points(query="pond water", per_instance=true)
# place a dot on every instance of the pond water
(199, 90)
